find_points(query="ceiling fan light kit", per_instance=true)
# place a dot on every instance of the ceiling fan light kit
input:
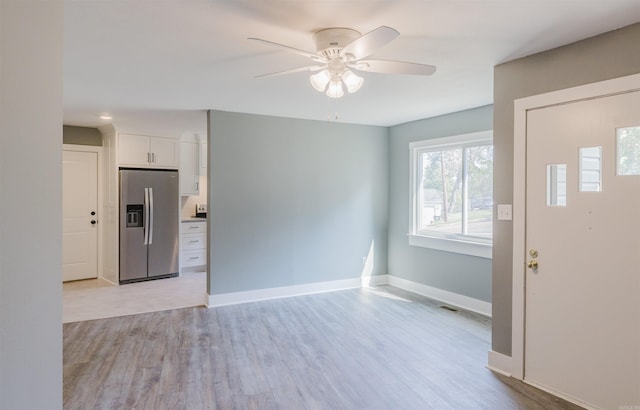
(341, 50)
(332, 82)
(352, 81)
(320, 80)
(334, 90)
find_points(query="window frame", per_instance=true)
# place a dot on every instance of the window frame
(457, 243)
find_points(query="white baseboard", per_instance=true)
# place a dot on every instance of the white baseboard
(281, 292)
(375, 280)
(108, 279)
(110, 276)
(570, 398)
(450, 298)
(499, 363)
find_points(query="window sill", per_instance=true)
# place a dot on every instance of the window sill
(481, 250)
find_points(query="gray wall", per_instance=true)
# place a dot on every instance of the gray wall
(31, 204)
(462, 274)
(610, 55)
(81, 135)
(294, 201)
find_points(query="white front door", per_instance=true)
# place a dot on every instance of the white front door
(582, 301)
(80, 215)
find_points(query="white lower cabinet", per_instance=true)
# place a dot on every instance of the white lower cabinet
(193, 245)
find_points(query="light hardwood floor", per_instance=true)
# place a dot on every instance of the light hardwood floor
(379, 348)
(98, 299)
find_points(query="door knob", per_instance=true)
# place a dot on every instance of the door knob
(93, 213)
(93, 222)
(532, 264)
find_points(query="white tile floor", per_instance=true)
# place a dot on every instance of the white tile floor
(98, 299)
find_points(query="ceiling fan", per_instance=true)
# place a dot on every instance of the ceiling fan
(341, 50)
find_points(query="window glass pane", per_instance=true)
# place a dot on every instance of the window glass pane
(480, 190)
(628, 151)
(441, 191)
(590, 166)
(557, 185)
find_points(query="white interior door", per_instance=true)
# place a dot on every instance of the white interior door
(582, 302)
(80, 215)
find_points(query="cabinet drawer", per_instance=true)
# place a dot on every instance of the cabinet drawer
(193, 227)
(193, 241)
(193, 258)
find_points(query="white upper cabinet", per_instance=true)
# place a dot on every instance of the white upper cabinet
(133, 149)
(203, 159)
(189, 168)
(165, 152)
(147, 151)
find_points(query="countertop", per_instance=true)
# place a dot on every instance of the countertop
(193, 219)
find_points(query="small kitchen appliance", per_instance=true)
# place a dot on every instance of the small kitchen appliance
(201, 210)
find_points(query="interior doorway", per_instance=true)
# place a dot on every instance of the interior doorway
(88, 291)
(81, 233)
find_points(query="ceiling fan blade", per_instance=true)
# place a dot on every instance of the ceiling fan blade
(368, 43)
(293, 70)
(313, 56)
(393, 67)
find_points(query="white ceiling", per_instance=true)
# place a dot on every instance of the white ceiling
(140, 57)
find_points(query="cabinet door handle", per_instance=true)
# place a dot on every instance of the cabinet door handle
(194, 258)
(153, 157)
(194, 241)
(148, 157)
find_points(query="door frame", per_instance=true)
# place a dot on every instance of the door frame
(521, 106)
(98, 151)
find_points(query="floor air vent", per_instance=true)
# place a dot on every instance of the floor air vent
(452, 309)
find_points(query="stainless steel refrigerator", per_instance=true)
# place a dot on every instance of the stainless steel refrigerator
(148, 224)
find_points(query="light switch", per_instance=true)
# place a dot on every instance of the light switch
(504, 212)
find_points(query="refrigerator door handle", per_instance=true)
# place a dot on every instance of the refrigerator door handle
(146, 216)
(150, 216)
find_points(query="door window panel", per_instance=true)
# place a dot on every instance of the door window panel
(557, 185)
(628, 151)
(590, 169)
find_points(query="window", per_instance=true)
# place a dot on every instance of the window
(452, 193)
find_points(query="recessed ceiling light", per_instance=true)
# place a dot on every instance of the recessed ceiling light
(106, 117)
